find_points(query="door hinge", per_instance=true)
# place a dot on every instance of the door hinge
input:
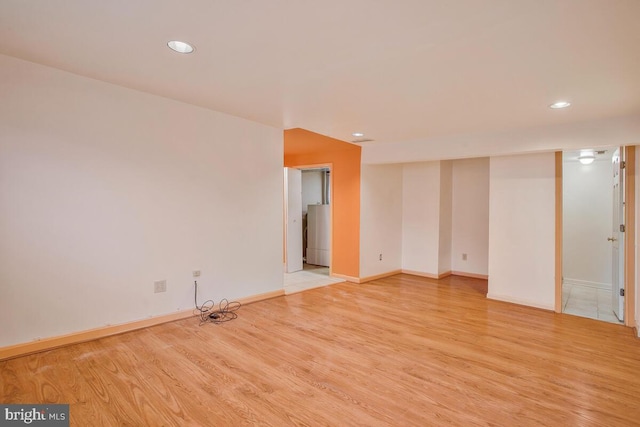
(623, 164)
(622, 228)
(621, 292)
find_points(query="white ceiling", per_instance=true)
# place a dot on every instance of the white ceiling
(412, 72)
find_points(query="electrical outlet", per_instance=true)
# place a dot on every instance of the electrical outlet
(380, 257)
(159, 286)
(464, 257)
(196, 273)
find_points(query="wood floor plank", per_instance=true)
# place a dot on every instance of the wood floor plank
(402, 350)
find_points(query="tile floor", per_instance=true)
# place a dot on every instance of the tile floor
(587, 301)
(312, 276)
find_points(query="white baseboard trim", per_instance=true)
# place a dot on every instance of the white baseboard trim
(534, 304)
(598, 285)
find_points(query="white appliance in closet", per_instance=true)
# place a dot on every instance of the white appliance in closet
(318, 234)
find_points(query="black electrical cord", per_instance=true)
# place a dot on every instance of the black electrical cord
(226, 310)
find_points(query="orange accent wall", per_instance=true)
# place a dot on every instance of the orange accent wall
(305, 148)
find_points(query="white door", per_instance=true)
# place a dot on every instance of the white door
(617, 238)
(293, 219)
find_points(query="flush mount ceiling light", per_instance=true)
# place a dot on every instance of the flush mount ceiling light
(180, 47)
(559, 104)
(357, 134)
(586, 157)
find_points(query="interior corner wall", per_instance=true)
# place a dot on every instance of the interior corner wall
(444, 247)
(522, 229)
(587, 222)
(305, 148)
(421, 217)
(381, 219)
(470, 216)
(104, 190)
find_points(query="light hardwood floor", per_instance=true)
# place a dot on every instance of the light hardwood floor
(400, 351)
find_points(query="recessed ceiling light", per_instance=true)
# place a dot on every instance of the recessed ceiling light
(559, 104)
(358, 134)
(181, 47)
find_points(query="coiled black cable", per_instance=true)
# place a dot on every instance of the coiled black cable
(226, 310)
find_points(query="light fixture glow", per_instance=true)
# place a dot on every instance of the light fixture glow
(586, 160)
(358, 134)
(586, 157)
(559, 104)
(180, 47)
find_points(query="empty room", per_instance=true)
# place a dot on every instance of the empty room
(336, 213)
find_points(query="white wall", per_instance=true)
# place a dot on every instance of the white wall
(104, 190)
(421, 217)
(380, 219)
(587, 222)
(444, 249)
(522, 229)
(470, 216)
(311, 188)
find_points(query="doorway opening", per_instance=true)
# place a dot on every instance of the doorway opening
(593, 237)
(308, 215)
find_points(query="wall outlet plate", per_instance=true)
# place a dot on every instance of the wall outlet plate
(159, 286)
(196, 273)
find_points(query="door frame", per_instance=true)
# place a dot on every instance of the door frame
(630, 236)
(331, 181)
(629, 156)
